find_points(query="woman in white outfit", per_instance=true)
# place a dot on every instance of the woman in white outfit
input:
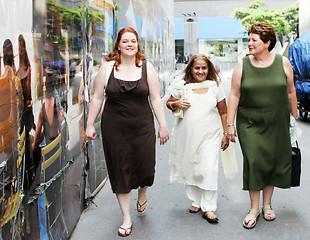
(198, 101)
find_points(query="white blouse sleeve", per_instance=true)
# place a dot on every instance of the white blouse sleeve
(176, 93)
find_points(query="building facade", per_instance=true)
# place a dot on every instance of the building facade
(219, 36)
(304, 17)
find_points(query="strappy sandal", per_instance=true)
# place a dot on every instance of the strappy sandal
(253, 215)
(268, 212)
(210, 217)
(139, 206)
(193, 209)
(125, 234)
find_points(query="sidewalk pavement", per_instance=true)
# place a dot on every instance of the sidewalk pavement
(167, 216)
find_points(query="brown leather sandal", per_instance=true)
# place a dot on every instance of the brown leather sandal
(126, 233)
(139, 206)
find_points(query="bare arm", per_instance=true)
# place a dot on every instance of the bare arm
(222, 108)
(19, 89)
(60, 115)
(96, 102)
(37, 134)
(28, 81)
(233, 101)
(154, 89)
(290, 86)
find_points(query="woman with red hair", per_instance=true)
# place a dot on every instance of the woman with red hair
(128, 84)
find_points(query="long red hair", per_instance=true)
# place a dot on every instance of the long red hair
(115, 55)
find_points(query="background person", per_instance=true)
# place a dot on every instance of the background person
(197, 137)
(48, 129)
(128, 133)
(186, 58)
(11, 102)
(263, 90)
(27, 121)
(49, 120)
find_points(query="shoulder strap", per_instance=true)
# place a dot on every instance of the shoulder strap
(246, 59)
(280, 58)
(144, 69)
(246, 64)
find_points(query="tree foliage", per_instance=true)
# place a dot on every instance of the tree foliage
(67, 15)
(291, 15)
(284, 21)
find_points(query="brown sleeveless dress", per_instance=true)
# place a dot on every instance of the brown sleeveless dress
(128, 133)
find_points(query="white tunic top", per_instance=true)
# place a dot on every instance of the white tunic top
(196, 138)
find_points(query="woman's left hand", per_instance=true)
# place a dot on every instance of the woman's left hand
(225, 143)
(163, 135)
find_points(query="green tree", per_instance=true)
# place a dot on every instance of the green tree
(291, 15)
(284, 21)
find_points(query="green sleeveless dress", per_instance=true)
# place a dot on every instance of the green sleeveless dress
(263, 120)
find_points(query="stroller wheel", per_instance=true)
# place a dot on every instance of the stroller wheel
(303, 115)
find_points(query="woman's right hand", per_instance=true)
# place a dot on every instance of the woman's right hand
(91, 132)
(182, 104)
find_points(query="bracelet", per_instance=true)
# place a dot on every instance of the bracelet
(230, 125)
(225, 133)
(170, 105)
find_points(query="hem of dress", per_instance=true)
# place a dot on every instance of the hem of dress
(262, 188)
(192, 184)
(128, 191)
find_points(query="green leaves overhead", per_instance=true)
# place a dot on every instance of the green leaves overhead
(284, 21)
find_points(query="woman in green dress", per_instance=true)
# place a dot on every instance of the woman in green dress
(262, 89)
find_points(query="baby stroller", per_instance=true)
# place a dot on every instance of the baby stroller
(299, 56)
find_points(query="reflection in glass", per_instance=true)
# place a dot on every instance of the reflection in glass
(11, 99)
